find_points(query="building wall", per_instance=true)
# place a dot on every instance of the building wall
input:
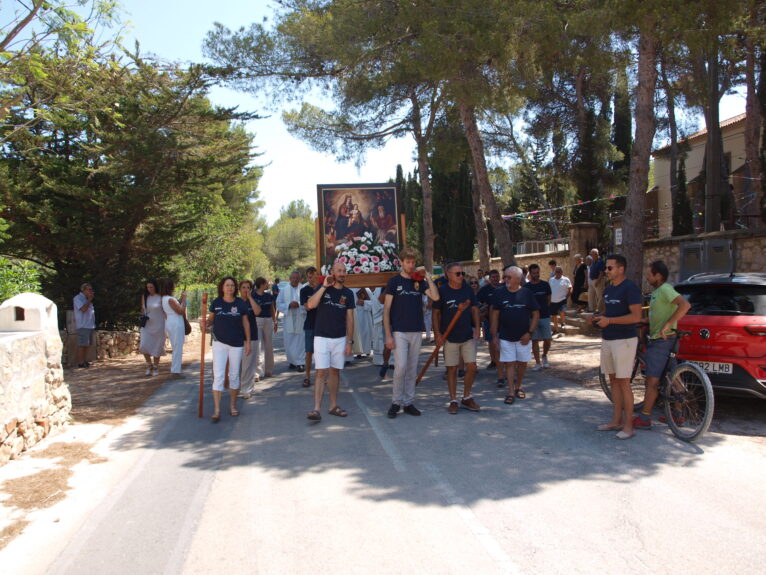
(733, 143)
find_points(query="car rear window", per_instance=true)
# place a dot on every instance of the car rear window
(725, 300)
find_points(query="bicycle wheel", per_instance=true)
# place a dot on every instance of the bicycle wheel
(689, 402)
(637, 383)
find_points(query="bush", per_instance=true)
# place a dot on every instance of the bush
(18, 277)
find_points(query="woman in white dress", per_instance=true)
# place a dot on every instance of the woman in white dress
(174, 325)
(152, 343)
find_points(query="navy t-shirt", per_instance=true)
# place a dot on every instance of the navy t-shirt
(484, 296)
(227, 324)
(306, 292)
(331, 312)
(515, 311)
(617, 302)
(541, 291)
(251, 319)
(597, 268)
(265, 301)
(449, 299)
(407, 306)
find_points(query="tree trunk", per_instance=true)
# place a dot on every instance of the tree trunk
(713, 145)
(752, 122)
(633, 221)
(673, 124)
(425, 185)
(482, 234)
(502, 237)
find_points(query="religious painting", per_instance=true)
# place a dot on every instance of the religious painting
(359, 225)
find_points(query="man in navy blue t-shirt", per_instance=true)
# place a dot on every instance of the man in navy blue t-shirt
(461, 341)
(333, 330)
(622, 300)
(403, 324)
(308, 324)
(542, 291)
(484, 296)
(513, 319)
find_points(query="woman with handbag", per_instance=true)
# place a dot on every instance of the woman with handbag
(174, 325)
(152, 343)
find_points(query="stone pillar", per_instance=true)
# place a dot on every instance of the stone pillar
(583, 237)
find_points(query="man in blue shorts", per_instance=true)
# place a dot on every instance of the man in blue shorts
(542, 292)
(667, 306)
(485, 301)
(622, 301)
(514, 318)
(333, 330)
(308, 324)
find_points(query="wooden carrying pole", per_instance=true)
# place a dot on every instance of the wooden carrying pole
(460, 309)
(203, 327)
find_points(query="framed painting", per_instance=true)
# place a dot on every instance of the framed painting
(362, 226)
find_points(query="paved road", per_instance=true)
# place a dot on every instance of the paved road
(528, 488)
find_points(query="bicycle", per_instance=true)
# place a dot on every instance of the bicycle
(684, 392)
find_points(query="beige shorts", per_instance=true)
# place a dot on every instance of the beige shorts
(454, 351)
(617, 356)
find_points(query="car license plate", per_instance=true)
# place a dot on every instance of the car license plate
(715, 367)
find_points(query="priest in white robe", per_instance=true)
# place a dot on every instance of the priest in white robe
(378, 334)
(363, 322)
(288, 302)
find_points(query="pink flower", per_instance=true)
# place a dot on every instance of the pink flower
(363, 248)
(351, 261)
(385, 257)
(343, 259)
(396, 262)
(375, 259)
(357, 269)
(376, 269)
(364, 260)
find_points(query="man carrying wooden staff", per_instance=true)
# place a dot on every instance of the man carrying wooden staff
(462, 339)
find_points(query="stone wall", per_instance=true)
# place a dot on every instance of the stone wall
(34, 400)
(541, 259)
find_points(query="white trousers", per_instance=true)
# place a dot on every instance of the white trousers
(406, 354)
(174, 329)
(221, 353)
(378, 343)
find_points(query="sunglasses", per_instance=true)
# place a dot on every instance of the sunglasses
(474, 283)
(610, 268)
(459, 273)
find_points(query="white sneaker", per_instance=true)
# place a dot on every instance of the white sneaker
(536, 367)
(155, 371)
(545, 362)
(148, 371)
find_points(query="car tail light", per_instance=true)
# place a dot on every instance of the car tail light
(756, 329)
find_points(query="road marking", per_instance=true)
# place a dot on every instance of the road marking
(490, 544)
(384, 439)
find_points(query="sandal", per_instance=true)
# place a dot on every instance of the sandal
(521, 394)
(314, 415)
(306, 382)
(338, 411)
(234, 413)
(215, 418)
(607, 427)
(509, 399)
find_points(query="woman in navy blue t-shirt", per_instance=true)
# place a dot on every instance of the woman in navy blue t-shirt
(267, 325)
(231, 328)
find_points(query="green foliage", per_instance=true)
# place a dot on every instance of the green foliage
(290, 242)
(18, 277)
(114, 190)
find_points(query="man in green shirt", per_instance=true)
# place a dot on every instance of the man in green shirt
(665, 309)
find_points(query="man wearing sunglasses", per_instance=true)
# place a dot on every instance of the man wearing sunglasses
(622, 301)
(485, 301)
(461, 341)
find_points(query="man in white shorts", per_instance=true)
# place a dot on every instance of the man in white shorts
(333, 329)
(514, 318)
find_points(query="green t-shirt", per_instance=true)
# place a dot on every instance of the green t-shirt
(661, 308)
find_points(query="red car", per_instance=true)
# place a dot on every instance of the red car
(728, 324)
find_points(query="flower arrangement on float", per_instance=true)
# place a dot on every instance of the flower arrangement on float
(364, 255)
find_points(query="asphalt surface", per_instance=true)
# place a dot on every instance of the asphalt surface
(527, 488)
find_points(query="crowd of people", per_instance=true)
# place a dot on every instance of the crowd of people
(326, 325)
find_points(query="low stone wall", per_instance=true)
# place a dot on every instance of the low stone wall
(34, 401)
(541, 259)
(112, 344)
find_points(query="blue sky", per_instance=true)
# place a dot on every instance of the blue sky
(174, 30)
